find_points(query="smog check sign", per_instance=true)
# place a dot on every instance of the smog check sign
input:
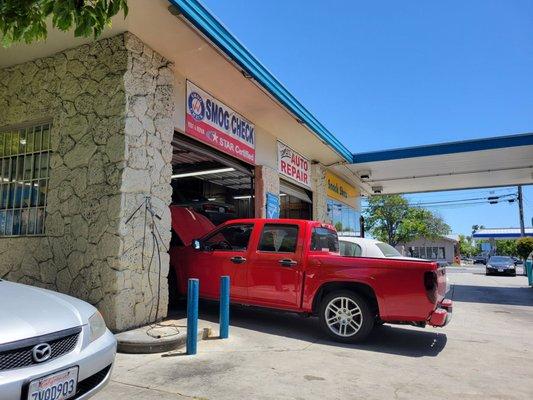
(212, 122)
(293, 165)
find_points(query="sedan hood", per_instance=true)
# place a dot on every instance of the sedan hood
(27, 311)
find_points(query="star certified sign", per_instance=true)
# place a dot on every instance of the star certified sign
(212, 122)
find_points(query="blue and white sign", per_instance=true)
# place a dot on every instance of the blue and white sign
(486, 247)
(212, 122)
(272, 205)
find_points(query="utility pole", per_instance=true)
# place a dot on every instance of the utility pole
(521, 211)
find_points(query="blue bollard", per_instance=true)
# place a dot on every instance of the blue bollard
(224, 307)
(192, 316)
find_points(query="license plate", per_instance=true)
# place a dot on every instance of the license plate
(58, 386)
(500, 269)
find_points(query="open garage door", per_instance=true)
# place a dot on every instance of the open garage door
(295, 202)
(209, 182)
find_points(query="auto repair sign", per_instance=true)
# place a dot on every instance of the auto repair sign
(212, 122)
(294, 165)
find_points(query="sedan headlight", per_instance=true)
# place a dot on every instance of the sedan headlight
(97, 326)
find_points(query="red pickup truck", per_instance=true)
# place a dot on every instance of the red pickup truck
(295, 265)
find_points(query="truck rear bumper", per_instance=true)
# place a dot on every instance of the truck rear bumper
(442, 314)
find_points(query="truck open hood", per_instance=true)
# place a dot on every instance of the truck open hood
(188, 224)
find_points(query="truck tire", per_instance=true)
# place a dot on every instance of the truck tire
(346, 316)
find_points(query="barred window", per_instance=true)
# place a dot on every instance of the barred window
(24, 170)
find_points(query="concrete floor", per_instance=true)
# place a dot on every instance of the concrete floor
(485, 353)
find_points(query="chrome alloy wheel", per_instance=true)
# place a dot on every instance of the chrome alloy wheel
(343, 316)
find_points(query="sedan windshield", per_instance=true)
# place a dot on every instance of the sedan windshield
(501, 259)
(387, 250)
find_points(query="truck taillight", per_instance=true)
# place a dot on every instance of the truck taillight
(430, 284)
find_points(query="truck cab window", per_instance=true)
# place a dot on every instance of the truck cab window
(349, 249)
(324, 239)
(279, 238)
(230, 238)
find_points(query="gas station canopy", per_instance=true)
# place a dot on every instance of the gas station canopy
(501, 233)
(480, 163)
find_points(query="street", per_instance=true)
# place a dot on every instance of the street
(484, 353)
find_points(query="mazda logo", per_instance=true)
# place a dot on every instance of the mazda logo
(41, 352)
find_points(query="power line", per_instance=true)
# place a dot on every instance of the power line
(487, 199)
(502, 199)
(462, 192)
(511, 197)
(480, 192)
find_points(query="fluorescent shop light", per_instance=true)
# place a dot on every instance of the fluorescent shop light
(242, 197)
(207, 172)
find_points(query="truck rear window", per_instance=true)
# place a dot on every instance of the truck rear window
(324, 239)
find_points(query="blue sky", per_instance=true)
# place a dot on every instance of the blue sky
(388, 74)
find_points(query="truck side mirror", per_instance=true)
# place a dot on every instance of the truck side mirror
(196, 244)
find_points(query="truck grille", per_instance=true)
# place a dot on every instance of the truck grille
(19, 354)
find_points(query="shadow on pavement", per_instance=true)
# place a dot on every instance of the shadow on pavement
(515, 296)
(398, 340)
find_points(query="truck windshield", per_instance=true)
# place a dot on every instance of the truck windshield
(388, 250)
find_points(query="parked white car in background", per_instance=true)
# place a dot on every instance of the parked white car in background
(364, 247)
(52, 346)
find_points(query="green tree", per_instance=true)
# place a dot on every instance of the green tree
(26, 20)
(391, 219)
(506, 248)
(466, 246)
(524, 247)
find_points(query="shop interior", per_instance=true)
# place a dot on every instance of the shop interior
(295, 202)
(209, 182)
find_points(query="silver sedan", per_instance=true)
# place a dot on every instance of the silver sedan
(52, 346)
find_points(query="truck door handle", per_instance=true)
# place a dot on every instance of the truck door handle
(287, 262)
(238, 260)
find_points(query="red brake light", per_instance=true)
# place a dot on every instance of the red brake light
(430, 284)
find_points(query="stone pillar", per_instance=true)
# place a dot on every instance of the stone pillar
(110, 105)
(142, 290)
(318, 183)
(266, 180)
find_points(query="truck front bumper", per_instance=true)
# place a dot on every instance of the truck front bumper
(442, 314)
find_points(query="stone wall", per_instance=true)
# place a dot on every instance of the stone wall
(266, 180)
(320, 198)
(110, 107)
